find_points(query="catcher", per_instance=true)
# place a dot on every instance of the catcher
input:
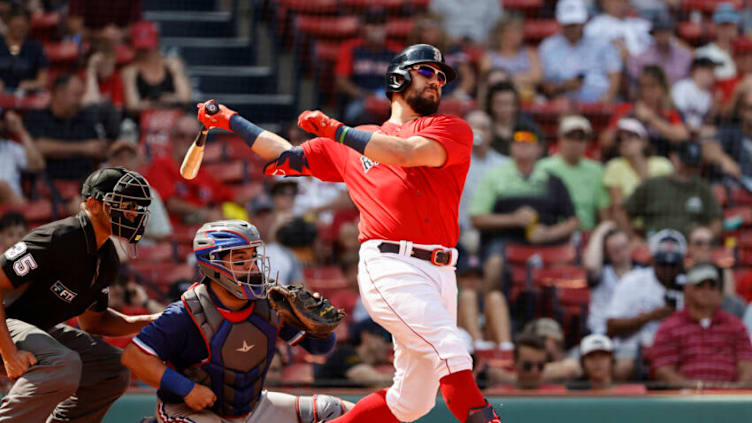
(209, 353)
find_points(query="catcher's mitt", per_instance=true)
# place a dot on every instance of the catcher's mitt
(299, 308)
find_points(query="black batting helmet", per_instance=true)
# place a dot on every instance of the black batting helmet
(398, 77)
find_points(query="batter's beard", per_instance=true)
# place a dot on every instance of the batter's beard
(422, 105)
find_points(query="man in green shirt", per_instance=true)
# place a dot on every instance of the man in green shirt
(678, 201)
(518, 202)
(583, 177)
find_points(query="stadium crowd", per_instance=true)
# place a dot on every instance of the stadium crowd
(606, 231)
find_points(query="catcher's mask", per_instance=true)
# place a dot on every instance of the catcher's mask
(231, 253)
(125, 195)
(398, 76)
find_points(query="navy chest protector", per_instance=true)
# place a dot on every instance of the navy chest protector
(240, 351)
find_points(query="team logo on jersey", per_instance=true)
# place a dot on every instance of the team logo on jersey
(63, 292)
(367, 163)
(245, 347)
(13, 252)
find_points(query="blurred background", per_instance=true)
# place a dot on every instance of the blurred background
(616, 135)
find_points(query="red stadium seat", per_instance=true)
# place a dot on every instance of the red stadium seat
(38, 211)
(740, 197)
(44, 26)
(164, 273)
(214, 152)
(328, 27)
(708, 6)
(719, 192)
(526, 6)
(58, 53)
(310, 6)
(160, 252)
(228, 172)
(298, 373)
(324, 279)
(550, 255)
(538, 29)
(183, 234)
(155, 126)
(359, 6)
(399, 28)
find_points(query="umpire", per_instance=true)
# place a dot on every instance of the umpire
(59, 271)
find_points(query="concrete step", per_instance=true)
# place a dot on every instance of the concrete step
(233, 79)
(205, 5)
(258, 107)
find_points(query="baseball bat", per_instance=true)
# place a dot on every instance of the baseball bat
(194, 155)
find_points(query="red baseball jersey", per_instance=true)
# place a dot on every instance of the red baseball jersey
(417, 204)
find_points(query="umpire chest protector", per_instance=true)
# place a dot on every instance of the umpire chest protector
(241, 348)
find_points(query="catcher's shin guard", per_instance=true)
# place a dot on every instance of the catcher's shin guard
(485, 414)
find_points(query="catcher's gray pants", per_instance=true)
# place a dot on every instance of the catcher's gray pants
(76, 379)
(273, 407)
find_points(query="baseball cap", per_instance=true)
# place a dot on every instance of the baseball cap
(144, 35)
(369, 326)
(545, 327)
(701, 61)
(525, 132)
(632, 125)
(668, 246)
(570, 12)
(725, 13)
(103, 181)
(261, 203)
(690, 153)
(574, 122)
(663, 21)
(702, 272)
(595, 342)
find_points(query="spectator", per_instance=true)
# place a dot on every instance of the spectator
(284, 267)
(491, 78)
(700, 250)
(428, 30)
(13, 227)
(508, 52)
(125, 154)
(362, 65)
(483, 159)
(558, 367)
(654, 109)
(190, 201)
(318, 201)
(666, 52)
(467, 20)
(519, 202)
(617, 25)
(597, 361)
(581, 68)
(72, 138)
(87, 19)
(102, 79)
(735, 138)
(623, 174)
(485, 318)
(643, 298)
(731, 89)
(583, 177)
(23, 64)
(748, 320)
(153, 80)
(702, 343)
(283, 192)
(529, 362)
(503, 105)
(676, 201)
(693, 96)
(16, 158)
(130, 298)
(607, 258)
(726, 21)
(357, 364)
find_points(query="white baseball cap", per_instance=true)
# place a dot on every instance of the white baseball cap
(571, 12)
(595, 342)
(574, 122)
(633, 126)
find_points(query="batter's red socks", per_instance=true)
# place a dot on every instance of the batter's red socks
(461, 393)
(371, 409)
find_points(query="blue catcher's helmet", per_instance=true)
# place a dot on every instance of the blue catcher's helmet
(215, 244)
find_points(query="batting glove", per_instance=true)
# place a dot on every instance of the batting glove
(318, 123)
(220, 119)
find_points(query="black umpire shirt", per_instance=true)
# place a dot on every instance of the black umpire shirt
(58, 272)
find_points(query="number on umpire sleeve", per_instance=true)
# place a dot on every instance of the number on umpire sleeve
(23, 265)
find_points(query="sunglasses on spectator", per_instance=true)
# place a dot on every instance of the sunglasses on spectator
(429, 72)
(702, 242)
(709, 283)
(528, 365)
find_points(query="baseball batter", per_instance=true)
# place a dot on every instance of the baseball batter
(406, 178)
(219, 341)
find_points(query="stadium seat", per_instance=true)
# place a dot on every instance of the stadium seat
(61, 53)
(310, 6)
(298, 373)
(44, 26)
(324, 279)
(39, 211)
(399, 28)
(706, 6)
(537, 29)
(739, 196)
(160, 252)
(328, 27)
(496, 358)
(183, 234)
(550, 255)
(164, 273)
(228, 172)
(528, 7)
(359, 6)
(155, 125)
